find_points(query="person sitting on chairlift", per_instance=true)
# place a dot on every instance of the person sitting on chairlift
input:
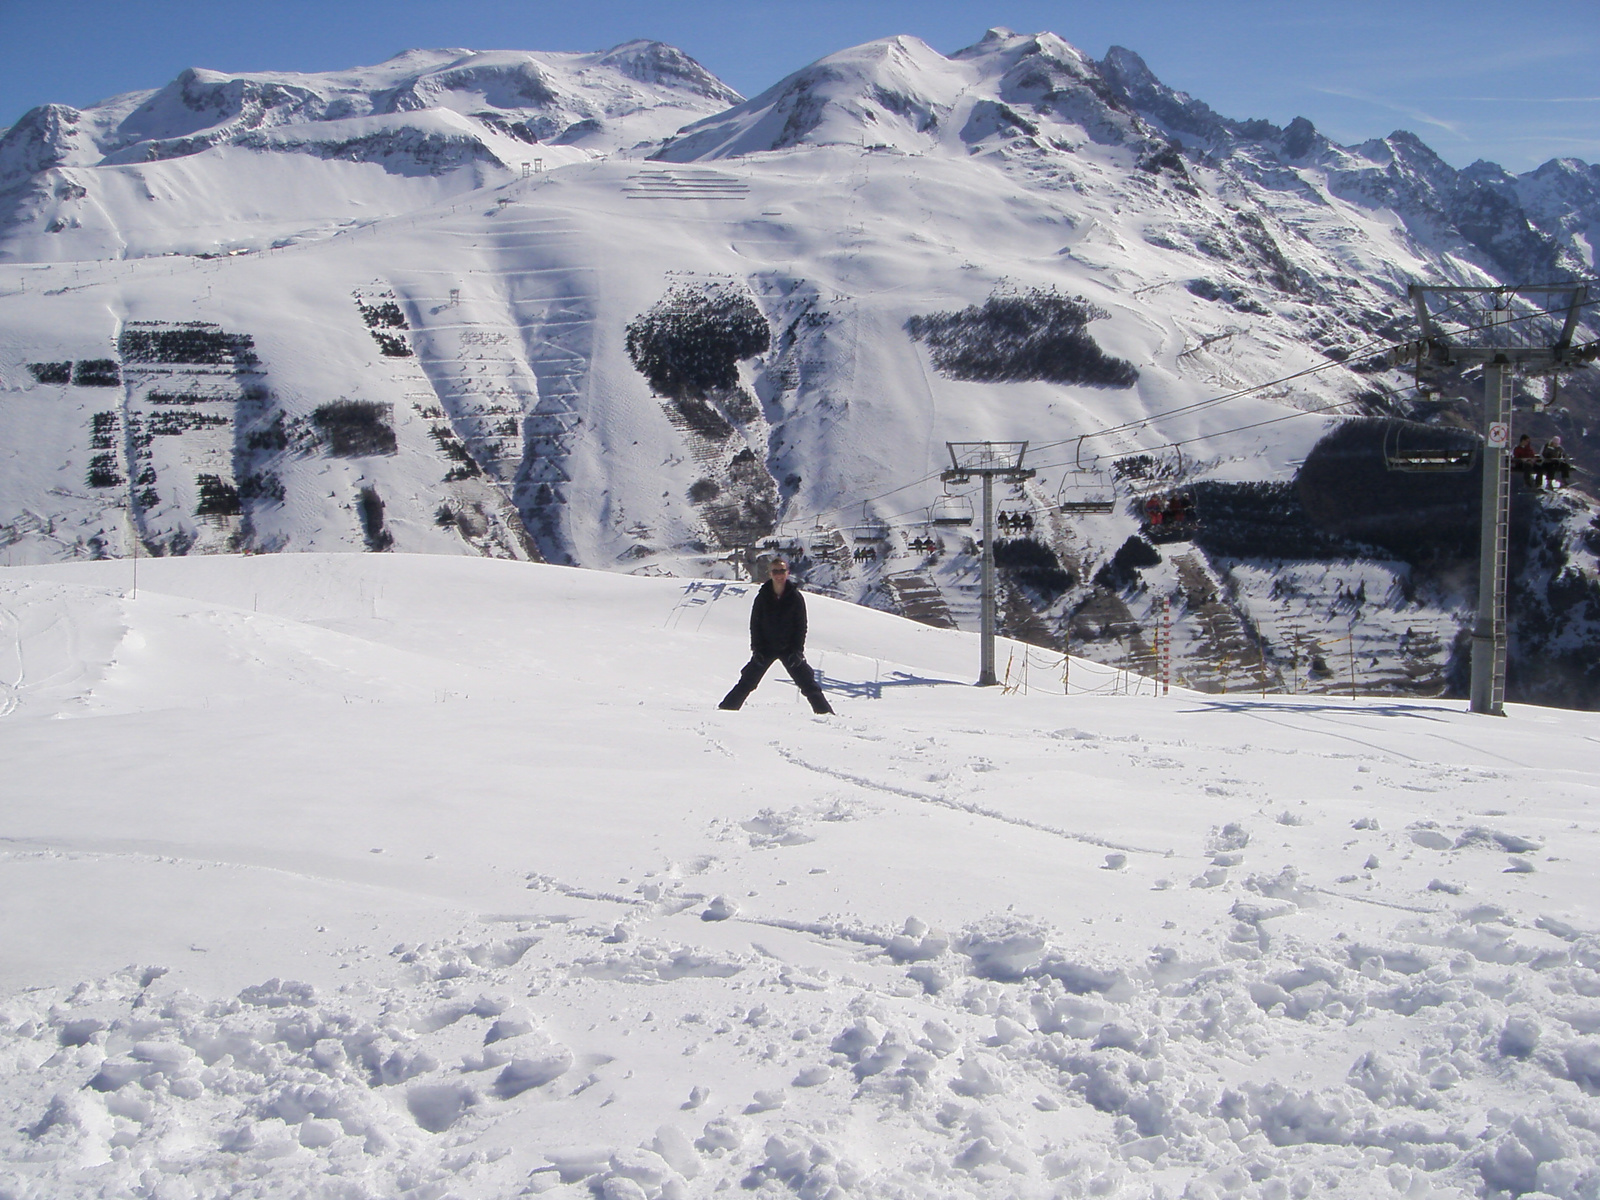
(1554, 461)
(1153, 511)
(1525, 460)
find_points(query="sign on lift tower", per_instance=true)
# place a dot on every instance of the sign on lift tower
(1467, 326)
(987, 461)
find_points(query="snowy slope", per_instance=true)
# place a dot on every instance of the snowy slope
(357, 876)
(396, 340)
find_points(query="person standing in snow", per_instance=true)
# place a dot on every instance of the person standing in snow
(778, 634)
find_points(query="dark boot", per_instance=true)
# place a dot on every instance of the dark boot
(820, 705)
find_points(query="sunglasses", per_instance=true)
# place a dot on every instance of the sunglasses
(780, 570)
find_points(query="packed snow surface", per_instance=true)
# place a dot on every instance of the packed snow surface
(383, 875)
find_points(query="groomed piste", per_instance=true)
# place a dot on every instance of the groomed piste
(385, 875)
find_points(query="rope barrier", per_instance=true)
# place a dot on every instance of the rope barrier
(1156, 665)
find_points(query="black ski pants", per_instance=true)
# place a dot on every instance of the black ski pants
(797, 666)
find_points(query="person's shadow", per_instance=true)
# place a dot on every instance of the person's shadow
(873, 689)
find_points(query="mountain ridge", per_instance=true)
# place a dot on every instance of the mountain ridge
(1532, 226)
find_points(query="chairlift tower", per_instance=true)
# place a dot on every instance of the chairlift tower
(987, 461)
(1486, 327)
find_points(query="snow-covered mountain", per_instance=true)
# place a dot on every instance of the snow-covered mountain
(596, 310)
(433, 122)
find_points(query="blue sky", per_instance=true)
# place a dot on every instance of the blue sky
(1513, 83)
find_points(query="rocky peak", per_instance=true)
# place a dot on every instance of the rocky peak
(43, 137)
(1300, 138)
(1487, 174)
(1129, 72)
(1176, 113)
(1562, 182)
(662, 65)
(1407, 152)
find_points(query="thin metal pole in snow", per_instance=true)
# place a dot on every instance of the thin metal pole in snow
(1166, 644)
(986, 676)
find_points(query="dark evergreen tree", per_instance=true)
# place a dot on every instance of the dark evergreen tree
(691, 341)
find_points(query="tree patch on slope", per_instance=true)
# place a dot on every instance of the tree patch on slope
(51, 372)
(369, 506)
(198, 342)
(745, 507)
(96, 372)
(1349, 492)
(218, 497)
(1038, 334)
(387, 324)
(353, 428)
(1122, 571)
(693, 338)
(1033, 565)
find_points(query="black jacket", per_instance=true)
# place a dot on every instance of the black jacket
(778, 623)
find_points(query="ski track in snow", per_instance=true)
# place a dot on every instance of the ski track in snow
(959, 806)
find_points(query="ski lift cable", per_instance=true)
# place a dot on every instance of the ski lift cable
(1304, 412)
(1190, 408)
(1155, 417)
(1371, 350)
(1323, 408)
(881, 495)
(1246, 391)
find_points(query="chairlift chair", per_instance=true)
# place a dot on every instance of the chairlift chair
(951, 510)
(1092, 495)
(1163, 534)
(1417, 459)
(869, 528)
(1166, 530)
